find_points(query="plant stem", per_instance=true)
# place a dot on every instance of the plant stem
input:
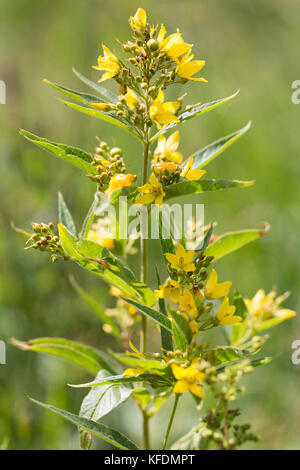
(171, 420)
(144, 253)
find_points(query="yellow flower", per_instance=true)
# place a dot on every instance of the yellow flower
(167, 148)
(102, 106)
(188, 304)
(107, 242)
(152, 192)
(188, 378)
(171, 289)
(265, 306)
(160, 168)
(163, 113)
(186, 67)
(131, 99)
(225, 314)
(133, 372)
(194, 327)
(108, 62)
(120, 181)
(213, 290)
(191, 174)
(182, 260)
(174, 45)
(138, 21)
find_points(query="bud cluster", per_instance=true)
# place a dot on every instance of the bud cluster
(45, 239)
(108, 162)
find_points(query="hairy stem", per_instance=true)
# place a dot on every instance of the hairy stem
(171, 420)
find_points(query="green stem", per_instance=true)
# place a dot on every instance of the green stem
(171, 420)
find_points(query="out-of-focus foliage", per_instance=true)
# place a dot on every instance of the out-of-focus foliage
(251, 45)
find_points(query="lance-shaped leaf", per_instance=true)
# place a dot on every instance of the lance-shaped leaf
(195, 187)
(100, 261)
(222, 354)
(73, 155)
(106, 94)
(166, 337)
(158, 317)
(182, 326)
(150, 365)
(124, 379)
(64, 215)
(89, 358)
(195, 111)
(88, 220)
(106, 319)
(232, 241)
(103, 399)
(109, 435)
(237, 331)
(110, 117)
(84, 98)
(207, 154)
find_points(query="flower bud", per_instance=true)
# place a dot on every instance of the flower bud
(153, 45)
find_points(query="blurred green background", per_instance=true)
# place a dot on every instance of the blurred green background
(250, 45)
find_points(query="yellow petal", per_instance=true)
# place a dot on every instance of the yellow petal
(221, 290)
(178, 372)
(133, 372)
(197, 390)
(211, 282)
(181, 386)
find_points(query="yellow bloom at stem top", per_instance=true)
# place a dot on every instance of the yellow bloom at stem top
(131, 99)
(188, 378)
(163, 113)
(152, 192)
(108, 62)
(174, 45)
(215, 290)
(138, 21)
(266, 306)
(171, 289)
(225, 314)
(188, 304)
(187, 67)
(182, 260)
(120, 181)
(189, 173)
(167, 148)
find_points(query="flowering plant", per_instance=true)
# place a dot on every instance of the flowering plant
(190, 300)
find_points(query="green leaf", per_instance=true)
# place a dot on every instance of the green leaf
(232, 241)
(64, 215)
(196, 111)
(222, 354)
(148, 364)
(182, 326)
(89, 358)
(96, 308)
(180, 342)
(103, 92)
(103, 399)
(269, 324)
(110, 117)
(195, 187)
(73, 155)
(88, 221)
(158, 317)
(91, 256)
(207, 154)
(104, 432)
(166, 337)
(117, 379)
(237, 331)
(76, 95)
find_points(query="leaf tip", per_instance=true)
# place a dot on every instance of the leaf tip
(266, 228)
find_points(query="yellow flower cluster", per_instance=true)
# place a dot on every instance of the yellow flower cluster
(265, 307)
(188, 378)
